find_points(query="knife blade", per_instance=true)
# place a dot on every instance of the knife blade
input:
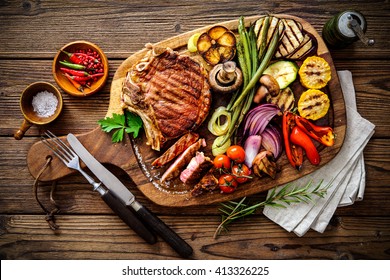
(104, 175)
(128, 199)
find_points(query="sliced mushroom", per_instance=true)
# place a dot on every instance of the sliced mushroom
(268, 86)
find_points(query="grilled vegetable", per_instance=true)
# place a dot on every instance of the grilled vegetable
(217, 45)
(313, 104)
(261, 25)
(284, 72)
(269, 86)
(294, 44)
(322, 134)
(292, 38)
(314, 72)
(307, 47)
(264, 163)
(294, 153)
(285, 100)
(298, 137)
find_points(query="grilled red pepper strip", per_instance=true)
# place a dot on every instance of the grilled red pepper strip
(322, 134)
(294, 153)
(73, 57)
(300, 138)
(73, 72)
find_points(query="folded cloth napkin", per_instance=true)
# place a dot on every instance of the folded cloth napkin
(345, 174)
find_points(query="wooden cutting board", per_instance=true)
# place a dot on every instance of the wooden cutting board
(134, 157)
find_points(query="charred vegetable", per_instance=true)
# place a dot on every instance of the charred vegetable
(268, 87)
(313, 104)
(298, 137)
(217, 45)
(314, 72)
(294, 153)
(285, 100)
(264, 163)
(322, 134)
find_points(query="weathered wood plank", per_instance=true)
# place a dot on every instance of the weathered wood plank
(49, 27)
(104, 237)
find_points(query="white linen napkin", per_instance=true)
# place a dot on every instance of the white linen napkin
(345, 173)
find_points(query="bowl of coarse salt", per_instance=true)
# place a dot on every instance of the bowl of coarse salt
(40, 103)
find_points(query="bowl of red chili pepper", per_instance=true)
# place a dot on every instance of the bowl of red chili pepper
(80, 68)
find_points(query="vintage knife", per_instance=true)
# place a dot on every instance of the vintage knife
(128, 199)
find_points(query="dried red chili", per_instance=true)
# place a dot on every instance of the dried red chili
(73, 72)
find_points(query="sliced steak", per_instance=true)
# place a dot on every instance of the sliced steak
(181, 162)
(176, 149)
(170, 92)
(196, 169)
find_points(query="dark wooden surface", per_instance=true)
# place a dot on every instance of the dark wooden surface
(32, 31)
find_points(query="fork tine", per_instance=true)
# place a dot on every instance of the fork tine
(55, 150)
(65, 148)
(59, 148)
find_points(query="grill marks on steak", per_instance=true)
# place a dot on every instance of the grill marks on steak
(171, 94)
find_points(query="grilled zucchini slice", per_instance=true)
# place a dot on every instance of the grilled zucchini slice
(284, 72)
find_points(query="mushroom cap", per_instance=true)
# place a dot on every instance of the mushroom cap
(219, 86)
(270, 83)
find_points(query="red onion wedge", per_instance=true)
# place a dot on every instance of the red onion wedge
(272, 140)
(258, 118)
(252, 148)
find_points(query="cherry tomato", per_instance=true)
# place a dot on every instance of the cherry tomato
(241, 172)
(236, 153)
(227, 183)
(222, 162)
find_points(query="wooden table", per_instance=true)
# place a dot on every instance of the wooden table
(31, 33)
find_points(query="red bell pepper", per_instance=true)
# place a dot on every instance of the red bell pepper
(300, 138)
(294, 153)
(322, 134)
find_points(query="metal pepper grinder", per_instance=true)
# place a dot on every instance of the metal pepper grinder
(344, 29)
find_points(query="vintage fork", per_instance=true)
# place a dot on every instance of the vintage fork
(71, 160)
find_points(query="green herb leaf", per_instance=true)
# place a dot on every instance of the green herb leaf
(128, 122)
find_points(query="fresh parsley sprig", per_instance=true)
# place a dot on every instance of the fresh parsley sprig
(232, 211)
(121, 123)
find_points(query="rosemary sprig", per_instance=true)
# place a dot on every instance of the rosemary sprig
(232, 211)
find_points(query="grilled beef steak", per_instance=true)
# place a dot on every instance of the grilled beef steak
(170, 92)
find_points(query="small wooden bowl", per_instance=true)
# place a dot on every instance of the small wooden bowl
(26, 106)
(63, 81)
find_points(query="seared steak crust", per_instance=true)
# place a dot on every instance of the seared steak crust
(170, 92)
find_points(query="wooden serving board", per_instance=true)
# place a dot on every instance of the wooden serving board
(134, 157)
